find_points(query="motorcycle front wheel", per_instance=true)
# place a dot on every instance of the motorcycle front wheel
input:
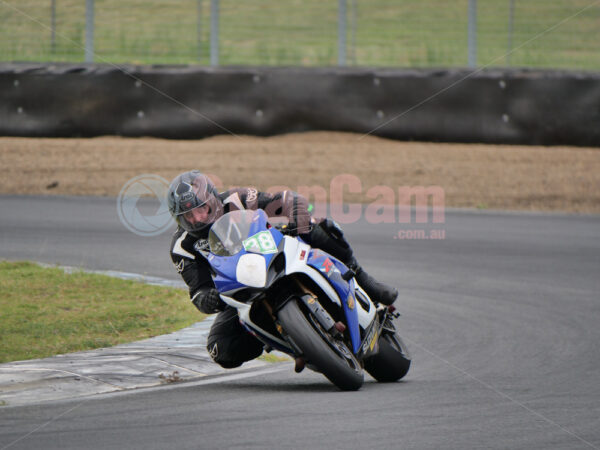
(329, 355)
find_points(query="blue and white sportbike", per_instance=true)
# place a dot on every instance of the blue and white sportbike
(302, 301)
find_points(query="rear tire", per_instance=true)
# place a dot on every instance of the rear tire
(392, 362)
(330, 356)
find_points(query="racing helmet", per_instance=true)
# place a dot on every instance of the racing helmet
(191, 190)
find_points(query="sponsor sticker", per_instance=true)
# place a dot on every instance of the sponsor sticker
(214, 351)
(350, 301)
(201, 245)
(373, 340)
(179, 266)
(327, 265)
(328, 268)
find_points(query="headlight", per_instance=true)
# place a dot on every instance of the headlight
(251, 270)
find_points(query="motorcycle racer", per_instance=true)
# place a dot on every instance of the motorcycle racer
(195, 204)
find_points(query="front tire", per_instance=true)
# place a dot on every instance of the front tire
(331, 356)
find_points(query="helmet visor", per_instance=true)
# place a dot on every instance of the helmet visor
(190, 197)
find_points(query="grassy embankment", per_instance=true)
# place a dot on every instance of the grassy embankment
(45, 311)
(424, 33)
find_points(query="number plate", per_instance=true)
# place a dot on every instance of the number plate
(261, 242)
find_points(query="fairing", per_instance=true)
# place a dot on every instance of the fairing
(237, 234)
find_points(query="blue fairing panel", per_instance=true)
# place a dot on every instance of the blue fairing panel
(224, 266)
(332, 269)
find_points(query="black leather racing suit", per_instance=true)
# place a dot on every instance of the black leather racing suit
(228, 343)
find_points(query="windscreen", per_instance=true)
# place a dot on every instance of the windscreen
(227, 234)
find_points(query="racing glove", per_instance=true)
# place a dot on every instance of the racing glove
(208, 300)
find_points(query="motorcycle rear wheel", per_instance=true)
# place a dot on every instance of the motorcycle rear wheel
(391, 362)
(330, 356)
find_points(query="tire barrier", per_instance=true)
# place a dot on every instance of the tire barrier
(188, 102)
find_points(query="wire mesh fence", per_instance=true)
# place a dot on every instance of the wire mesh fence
(561, 34)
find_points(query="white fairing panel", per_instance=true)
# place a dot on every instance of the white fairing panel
(251, 270)
(241, 307)
(293, 250)
(244, 315)
(364, 318)
(294, 264)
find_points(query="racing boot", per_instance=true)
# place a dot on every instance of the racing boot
(377, 291)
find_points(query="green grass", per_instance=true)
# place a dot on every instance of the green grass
(45, 311)
(408, 33)
(271, 358)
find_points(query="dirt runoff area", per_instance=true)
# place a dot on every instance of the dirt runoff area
(470, 175)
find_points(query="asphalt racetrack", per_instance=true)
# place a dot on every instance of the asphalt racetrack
(502, 318)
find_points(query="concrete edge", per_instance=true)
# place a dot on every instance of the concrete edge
(162, 360)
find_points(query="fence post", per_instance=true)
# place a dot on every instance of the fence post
(341, 32)
(214, 32)
(199, 29)
(511, 18)
(53, 26)
(353, 31)
(89, 31)
(472, 34)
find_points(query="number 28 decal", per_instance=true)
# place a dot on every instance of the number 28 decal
(261, 242)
